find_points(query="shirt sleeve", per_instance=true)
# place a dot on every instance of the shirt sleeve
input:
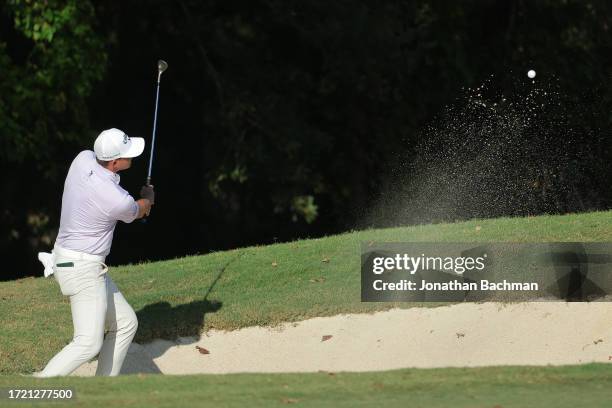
(126, 210)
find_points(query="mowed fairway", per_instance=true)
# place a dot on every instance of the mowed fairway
(289, 282)
(509, 387)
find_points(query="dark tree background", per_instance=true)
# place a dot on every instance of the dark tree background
(278, 119)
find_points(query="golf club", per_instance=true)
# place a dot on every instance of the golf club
(161, 67)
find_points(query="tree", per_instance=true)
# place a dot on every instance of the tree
(50, 59)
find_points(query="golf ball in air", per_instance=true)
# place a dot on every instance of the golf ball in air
(531, 73)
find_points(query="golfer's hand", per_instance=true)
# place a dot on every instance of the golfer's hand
(148, 193)
(144, 207)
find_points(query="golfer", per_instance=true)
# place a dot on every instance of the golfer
(92, 203)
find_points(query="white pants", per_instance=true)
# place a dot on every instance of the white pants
(95, 302)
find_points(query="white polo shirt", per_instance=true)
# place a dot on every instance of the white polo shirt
(92, 203)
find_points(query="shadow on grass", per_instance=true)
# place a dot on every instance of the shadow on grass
(161, 321)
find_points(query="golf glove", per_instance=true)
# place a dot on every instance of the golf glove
(148, 193)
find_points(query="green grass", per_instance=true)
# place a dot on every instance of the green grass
(507, 387)
(262, 285)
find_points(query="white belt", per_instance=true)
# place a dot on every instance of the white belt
(76, 255)
(48, 259)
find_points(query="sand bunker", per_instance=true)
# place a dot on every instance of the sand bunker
(461, 335)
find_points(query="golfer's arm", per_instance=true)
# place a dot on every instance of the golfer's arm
(144, 207)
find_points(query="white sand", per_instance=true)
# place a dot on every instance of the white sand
(461, 335)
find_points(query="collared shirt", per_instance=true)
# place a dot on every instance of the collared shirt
(92, 203)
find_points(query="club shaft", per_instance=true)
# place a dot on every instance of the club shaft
(154, 130)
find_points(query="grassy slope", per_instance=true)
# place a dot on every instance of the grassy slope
(250, 286)
(507, 387)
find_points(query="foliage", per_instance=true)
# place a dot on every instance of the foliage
(50, 59)
(48, 73)
(278, 119)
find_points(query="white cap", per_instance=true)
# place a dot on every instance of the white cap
(113, 144)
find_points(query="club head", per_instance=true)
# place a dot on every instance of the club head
(162, 66)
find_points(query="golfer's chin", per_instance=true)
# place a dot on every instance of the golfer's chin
(125, 164)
